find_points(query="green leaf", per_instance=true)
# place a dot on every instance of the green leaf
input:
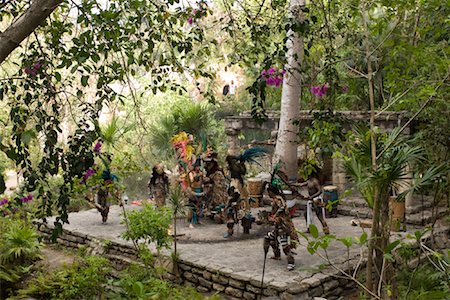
(388, 257)
(314, 231)
(418, 235)
(347, 241)
(391, 246)
(84, 80)
(27, 136)
(362, 239)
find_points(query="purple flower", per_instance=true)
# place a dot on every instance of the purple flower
(89, 172)
(190, 20)
(320, 90)
(27, 198)
(98, 147)
(4, 201)
(278, 81)
(345, 89)
(272, 77)
(30, 71)
(37, 66)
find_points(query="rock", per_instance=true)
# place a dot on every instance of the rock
(249, 296)
(191, 277)
(184, 267)
(269, 292)
(202, 289)
(204, 282)
(237, 284)
(253, 289)
(219, 279)
(311, 281)
(218, 287)
(317, 291)
(233, 292)
(298, 288)
(207, 275)
(329, 285)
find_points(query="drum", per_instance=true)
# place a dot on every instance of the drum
(330, 194)
(255, 187)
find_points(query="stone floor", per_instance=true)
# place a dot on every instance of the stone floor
(241, 255)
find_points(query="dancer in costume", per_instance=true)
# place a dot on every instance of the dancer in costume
(284, 233)
(195, 193)
(159, 185)
(315, 202)
(105, 190)
(216, 183)
(235, 212)
(237, 170)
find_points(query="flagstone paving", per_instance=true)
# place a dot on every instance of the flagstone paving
(241, 256)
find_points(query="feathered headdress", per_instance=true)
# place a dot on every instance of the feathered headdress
(249, 155)
(278, 178)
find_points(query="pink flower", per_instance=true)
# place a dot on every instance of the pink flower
(98, 147)
(89, 172)
(320, 90)
(272, 77)
(30, 71)
(27, 198)
(345, 89)
(190, 20)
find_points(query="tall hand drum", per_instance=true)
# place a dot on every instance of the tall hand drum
(255, 188)
(330, 194)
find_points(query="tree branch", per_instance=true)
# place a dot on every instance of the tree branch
(38, 11)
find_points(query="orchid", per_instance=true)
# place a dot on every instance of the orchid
(98, 147)
(26, 198)
(33, 70)
(320, 90)
(273, 78)
(4, 201)
(89, 172)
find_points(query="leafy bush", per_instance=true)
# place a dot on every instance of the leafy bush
(19, 249)
(425, 283)
(85, 279)
(150, 224)
(137, 282)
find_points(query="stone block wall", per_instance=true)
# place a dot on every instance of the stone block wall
(206, 279)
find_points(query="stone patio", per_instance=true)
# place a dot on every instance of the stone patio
(232, 266)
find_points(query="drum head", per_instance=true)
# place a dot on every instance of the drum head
(330, 188)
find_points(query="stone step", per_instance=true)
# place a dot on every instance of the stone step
(425, 217)
(353, 201)
(361, 212)
(418, 204)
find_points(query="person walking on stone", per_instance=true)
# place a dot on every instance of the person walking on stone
(158, 185)
(284, 234)
(315, 202)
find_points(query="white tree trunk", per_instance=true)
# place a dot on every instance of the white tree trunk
(286, 146)
(38, 11)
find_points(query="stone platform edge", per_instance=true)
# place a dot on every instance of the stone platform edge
(328, 283)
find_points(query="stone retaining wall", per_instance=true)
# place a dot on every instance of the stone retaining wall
(206, 279)
(328, 284)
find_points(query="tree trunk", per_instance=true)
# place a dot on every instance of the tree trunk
(286, 146)
(376, 205)
(38, 11)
